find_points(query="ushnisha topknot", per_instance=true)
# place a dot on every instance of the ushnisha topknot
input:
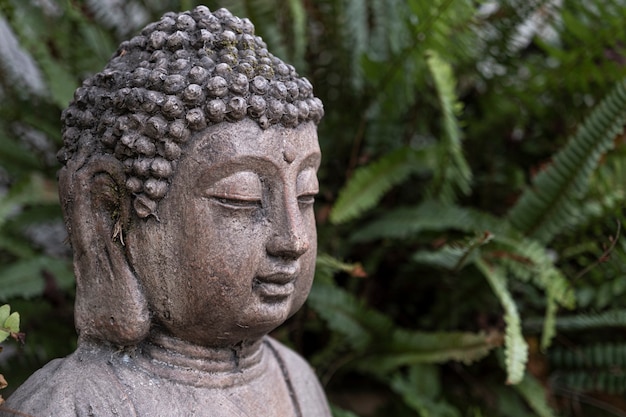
(181, 74)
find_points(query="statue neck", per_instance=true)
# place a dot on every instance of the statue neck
(190, 364)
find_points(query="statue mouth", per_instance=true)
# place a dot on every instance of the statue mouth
(276, 286)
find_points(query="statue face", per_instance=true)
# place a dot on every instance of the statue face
(232, 253)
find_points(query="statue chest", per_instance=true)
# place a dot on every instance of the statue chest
(235, 395)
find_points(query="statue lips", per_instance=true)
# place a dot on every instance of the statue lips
(277, 285)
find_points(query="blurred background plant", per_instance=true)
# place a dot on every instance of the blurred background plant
(9, 327)
(471, 257)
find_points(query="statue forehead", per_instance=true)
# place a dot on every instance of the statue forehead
(230, 141)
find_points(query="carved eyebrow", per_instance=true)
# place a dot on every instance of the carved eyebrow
(312, 160)
(216, 171)
(212, 169)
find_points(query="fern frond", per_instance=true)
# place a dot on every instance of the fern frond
(607, 193)
(329, 265)
(382, 347)
(19, 70)
(515, 347)
(448, 257)
(14, 157)
(544, 209)
(452, 171)
(122, 16)
(35, 37)
(577, 25)
(421, 391)
(592, 356)
(503, 36)
(549, 323)
(527, 260)
(431, 215)
(523, 258)
(596, 367)
(355, 35)
(608, 319)
(407, 348)
(535, 395)
(335, 353)
(445, 26)
(349, 316)
(16, 247)
(299, 35)
(370, 183)
(23, 278)
(604, 380)
(456, 255)
(389, 34)
(518, 257)
(31, 190)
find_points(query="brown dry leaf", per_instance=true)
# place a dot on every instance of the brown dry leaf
(358, 271)
(3, 382)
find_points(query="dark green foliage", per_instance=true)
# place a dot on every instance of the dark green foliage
(471, 212)
(549, 205)
(594, 367)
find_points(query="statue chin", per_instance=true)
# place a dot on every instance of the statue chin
(190, 172)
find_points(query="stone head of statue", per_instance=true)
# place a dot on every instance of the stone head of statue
(188, 184)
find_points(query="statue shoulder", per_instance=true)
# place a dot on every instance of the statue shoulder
(82, 384)
(302, 378)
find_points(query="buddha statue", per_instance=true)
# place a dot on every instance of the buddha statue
(187, 187)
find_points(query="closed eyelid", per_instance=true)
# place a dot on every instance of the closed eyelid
(243, 186)
(307, 183)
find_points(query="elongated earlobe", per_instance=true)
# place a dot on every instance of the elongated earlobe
(110, 304)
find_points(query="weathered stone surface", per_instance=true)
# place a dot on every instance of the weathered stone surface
(187, 191)
(98, 380)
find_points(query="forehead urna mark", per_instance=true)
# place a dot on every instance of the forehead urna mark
(289, 151)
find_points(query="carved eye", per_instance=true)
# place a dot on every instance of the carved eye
(242, 190)
(307, 187)
(306, 199)
(238, 203)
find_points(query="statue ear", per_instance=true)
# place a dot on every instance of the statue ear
(110, 304)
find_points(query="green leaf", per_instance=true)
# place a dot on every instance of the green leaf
(448, 257)
(452, 171)
(407, 348)
(33, 189)
(421, 391)
(299, 22)
(13, 322)
(535, 395)
(348, 316)
(549, 324)
(544, 209)
(383, 347)
(456, 255)
(61, 82)
(24, 278)
(370, 183)
(15, 157)
(515, 347)
(405, 222)
(5, 311)
(615, 318)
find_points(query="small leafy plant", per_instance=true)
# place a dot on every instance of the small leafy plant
(9, 327)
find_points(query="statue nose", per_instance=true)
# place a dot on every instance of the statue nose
(289, 239)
